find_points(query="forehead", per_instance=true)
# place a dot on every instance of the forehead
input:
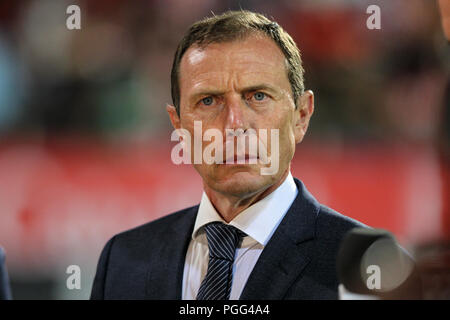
(255, 55)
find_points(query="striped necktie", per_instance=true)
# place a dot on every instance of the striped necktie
(222, 243)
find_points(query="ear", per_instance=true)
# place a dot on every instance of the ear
(173, 115)
(305, 109)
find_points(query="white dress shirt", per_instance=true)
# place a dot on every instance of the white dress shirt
(259, 222)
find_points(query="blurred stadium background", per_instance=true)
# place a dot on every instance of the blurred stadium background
(85, 139)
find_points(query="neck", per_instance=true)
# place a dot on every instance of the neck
(229, 206)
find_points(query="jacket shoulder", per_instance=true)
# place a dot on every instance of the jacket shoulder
(122, 269)
(331, 224)
(159, 226)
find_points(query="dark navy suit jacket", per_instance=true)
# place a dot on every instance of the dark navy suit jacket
(298, 262)
(5, 291)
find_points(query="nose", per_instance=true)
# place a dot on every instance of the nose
(235, 113)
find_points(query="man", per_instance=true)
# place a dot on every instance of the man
(254, 235)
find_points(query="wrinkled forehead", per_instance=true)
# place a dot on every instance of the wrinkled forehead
(252, 54)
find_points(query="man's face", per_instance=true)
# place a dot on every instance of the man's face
(241, 84)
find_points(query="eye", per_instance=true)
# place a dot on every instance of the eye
(207, 101)
(259, 96)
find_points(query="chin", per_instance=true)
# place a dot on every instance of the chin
(240, 183)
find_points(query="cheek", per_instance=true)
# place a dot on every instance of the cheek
(287, 140)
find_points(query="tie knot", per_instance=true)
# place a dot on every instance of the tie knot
(222, 240)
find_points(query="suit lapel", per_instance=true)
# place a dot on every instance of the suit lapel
(287, 253)
(165, 273)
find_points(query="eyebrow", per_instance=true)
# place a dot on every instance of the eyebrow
(212, 92)
(259, 87)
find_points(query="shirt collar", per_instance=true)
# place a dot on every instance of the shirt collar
(260, 220)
